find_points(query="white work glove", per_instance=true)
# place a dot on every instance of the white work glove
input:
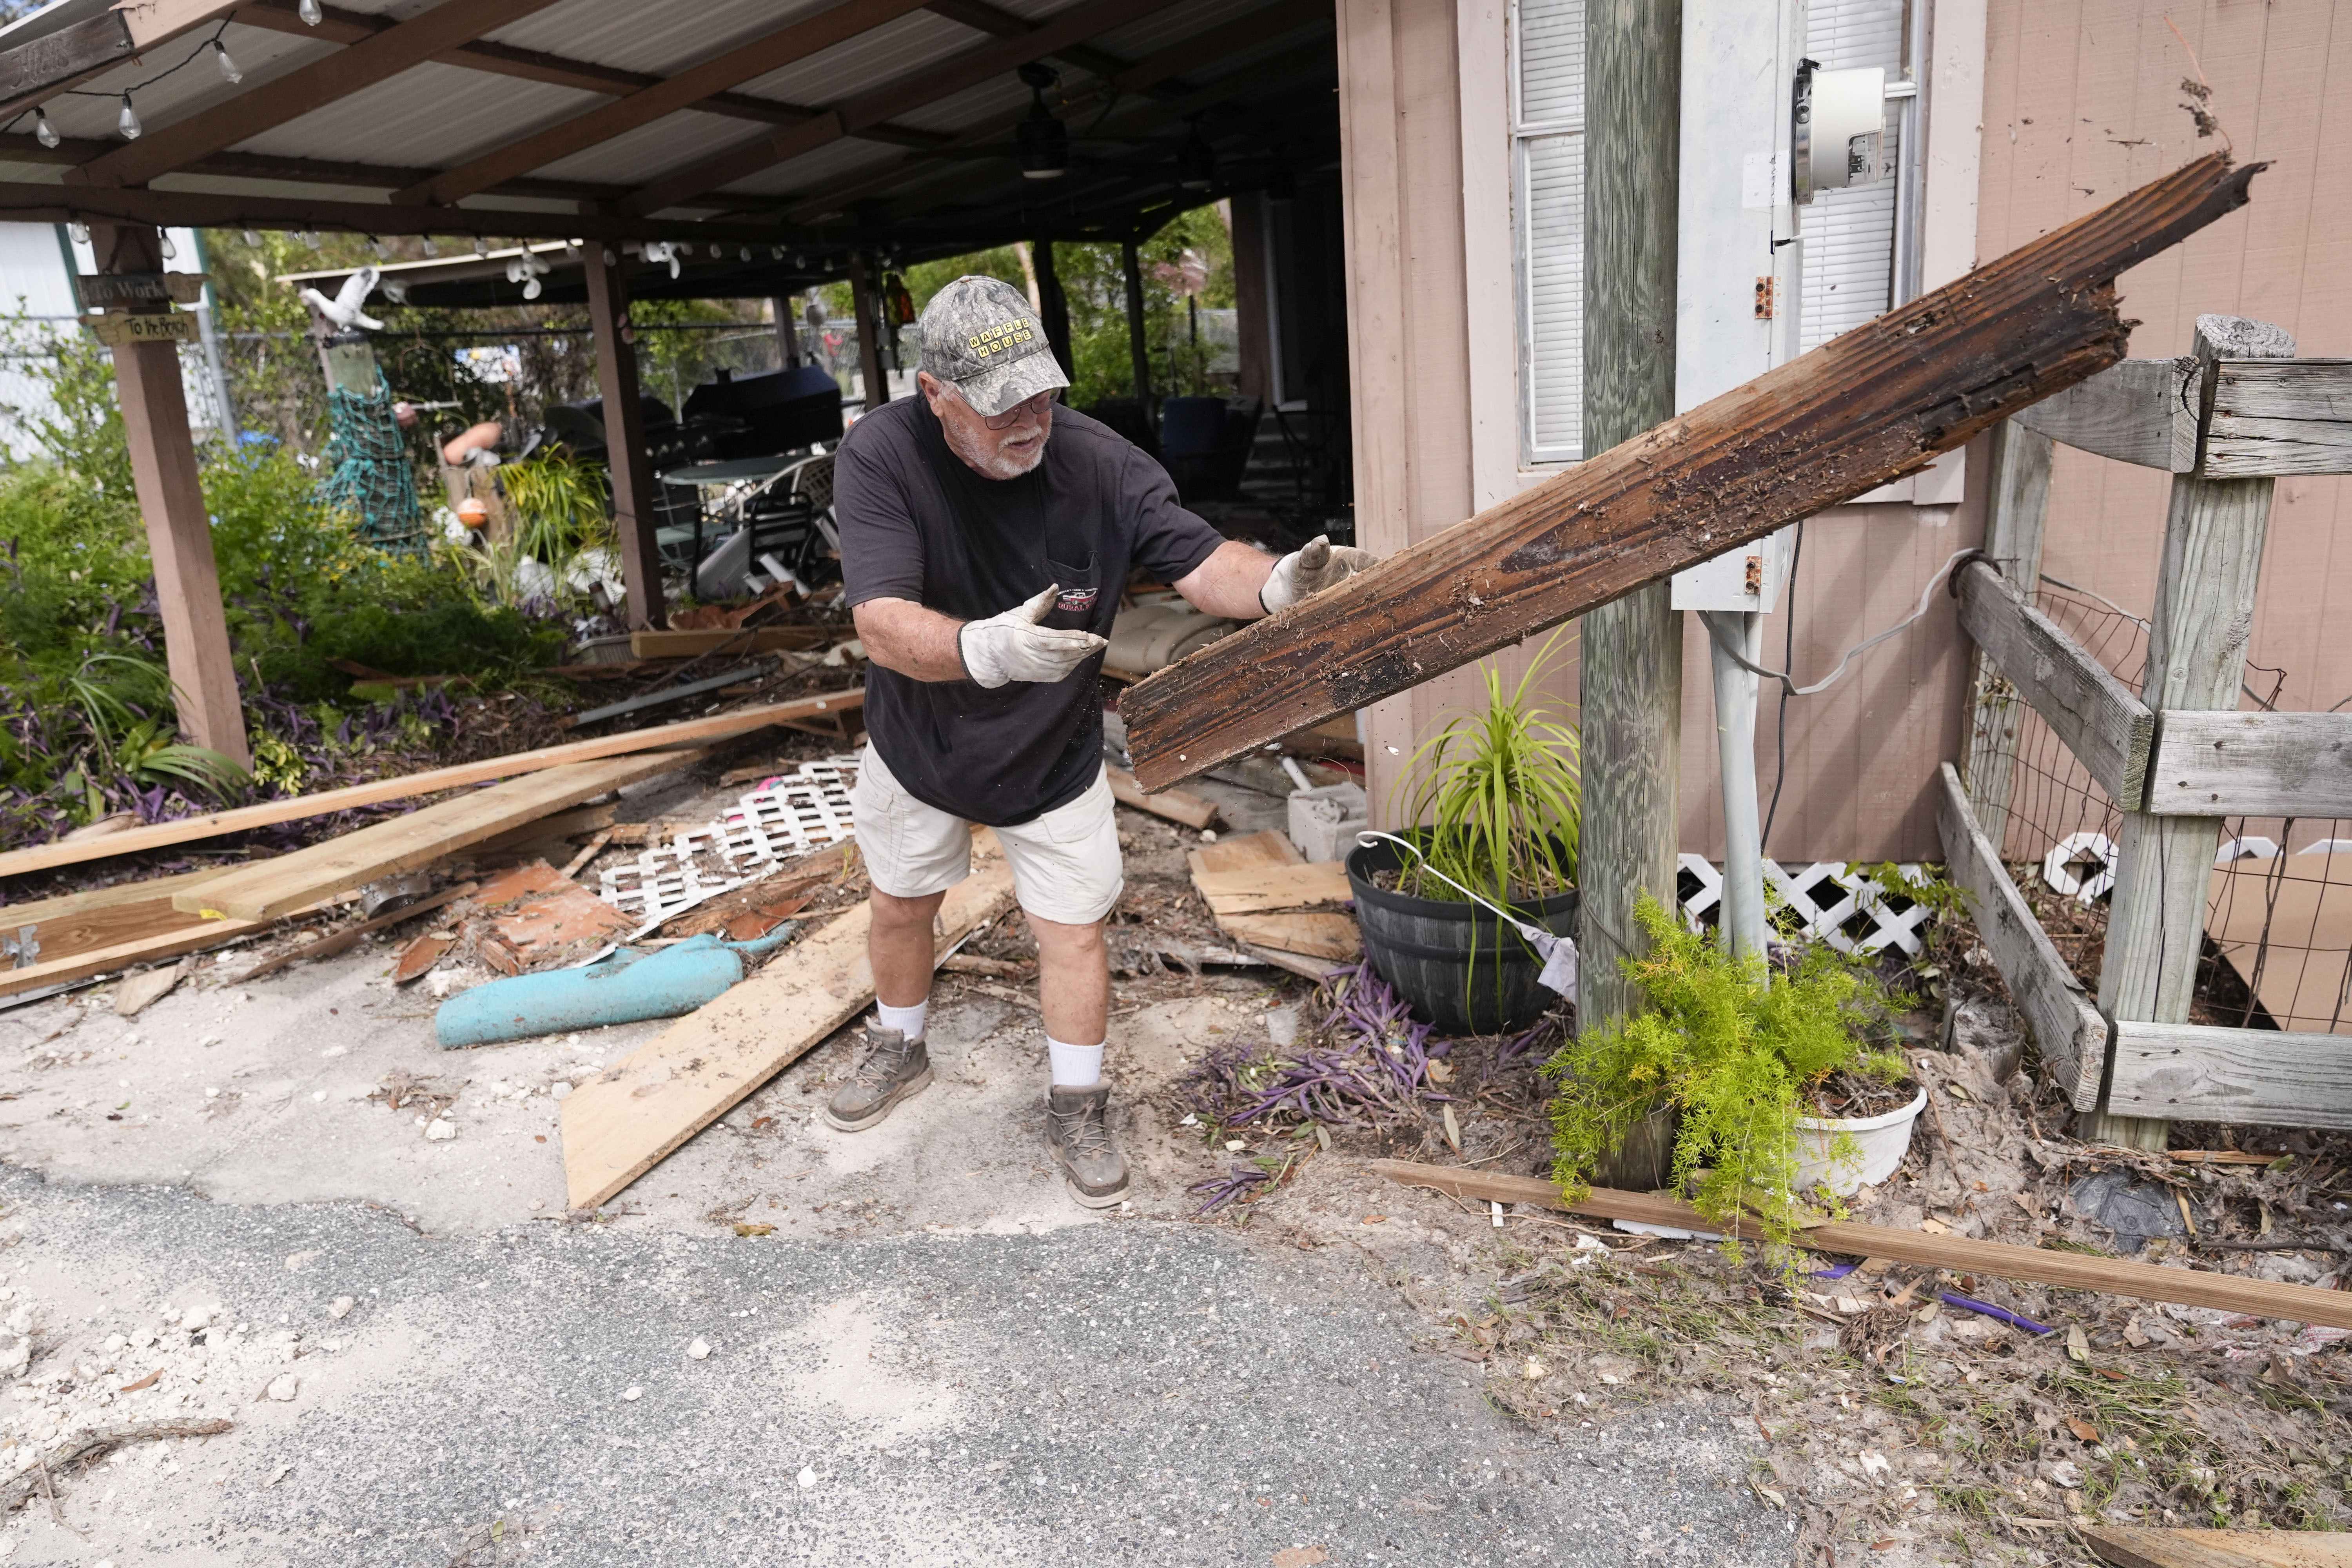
(1013, 646)
(1320, 564)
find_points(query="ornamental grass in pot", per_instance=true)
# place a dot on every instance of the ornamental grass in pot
(1499, 796)
(1758, 1061)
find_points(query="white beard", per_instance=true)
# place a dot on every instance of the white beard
(987, 455)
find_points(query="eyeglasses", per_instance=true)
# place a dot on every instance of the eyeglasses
(1034, 407)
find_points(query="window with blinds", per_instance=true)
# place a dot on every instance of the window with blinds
(1547, 75)
(1850, 270)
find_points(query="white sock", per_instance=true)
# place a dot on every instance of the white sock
(907, 1021)
(1074, 1066)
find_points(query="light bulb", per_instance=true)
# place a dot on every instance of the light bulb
(171, 251)
(801, 262)
(43, 129)
(311, 240)
(530, 287)
(79, 230)
(379, 251)
(481, 245)
(611, 259)
(252, 239)
(747, 253)
(229, 73)
(775, 253)
(431, 249)
(308, 12)
(128, 121)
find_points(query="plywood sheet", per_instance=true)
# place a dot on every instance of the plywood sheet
(1282, 888)
(637, 1111)
(1316, 936)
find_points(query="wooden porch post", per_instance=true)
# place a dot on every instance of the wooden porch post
(2015, 514)
(1131, 263)
(866, 298)
(634, 518)
(1052, 305)
(1631, 662)
(788, 335)
(2205, 587)
(179, 534)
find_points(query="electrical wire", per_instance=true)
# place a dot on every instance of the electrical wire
(123, 91)
(1788, 683)
(1788, 655)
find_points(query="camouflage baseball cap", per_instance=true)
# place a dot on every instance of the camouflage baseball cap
(981, 335)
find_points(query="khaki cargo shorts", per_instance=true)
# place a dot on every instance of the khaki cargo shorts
(1065, 865)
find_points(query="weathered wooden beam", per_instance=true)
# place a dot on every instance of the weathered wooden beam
(2070, 1031)
(634, 493)
(2274, 417)
(1870, 405)
(42, 67)
(2108, 727)
(2142, 411)
(306, 88)
(2222, 764)
(2198, 1072)
(25, 201)
(2017, 508)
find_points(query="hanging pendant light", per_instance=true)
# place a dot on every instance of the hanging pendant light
(128, 121)
(1196, 162)
(1043, 140)
(45, 132)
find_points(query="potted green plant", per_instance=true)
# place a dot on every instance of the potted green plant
(1767, 1067)
(1499, 796)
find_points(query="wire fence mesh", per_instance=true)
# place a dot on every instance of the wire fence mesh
(2277, 948)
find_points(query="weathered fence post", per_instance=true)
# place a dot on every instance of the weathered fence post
(2015, 514)
(2196, 658)
(1632, 651)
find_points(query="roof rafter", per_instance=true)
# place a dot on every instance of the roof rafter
(893, 98)
(686, 89)
(299, 91)
(998, 22)
(42, 67)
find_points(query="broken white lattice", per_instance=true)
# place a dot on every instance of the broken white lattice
(786, 817)
(1827, 897)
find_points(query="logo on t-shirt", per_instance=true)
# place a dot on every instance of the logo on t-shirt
(1076, 600)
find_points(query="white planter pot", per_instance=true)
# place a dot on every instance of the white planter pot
(1881, 1141)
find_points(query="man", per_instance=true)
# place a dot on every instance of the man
(985, 538)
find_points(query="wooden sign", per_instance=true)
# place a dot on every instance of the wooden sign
(111, 288)
(116, 329)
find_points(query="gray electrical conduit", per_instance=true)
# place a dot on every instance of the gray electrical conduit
(1789, 682)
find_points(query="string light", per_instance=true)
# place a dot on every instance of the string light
(309, 13)
(79, 230)
(311, 240)
(431, 249)
(775, 253)
(43, 131)
(252, 239)
(171, 251)
(229, 73)
(747, 253)
(481, 245)
(379, 251)
(128, 121)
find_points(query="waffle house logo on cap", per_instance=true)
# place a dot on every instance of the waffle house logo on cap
(997, 339)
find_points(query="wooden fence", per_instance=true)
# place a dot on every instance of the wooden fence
(2176, 757)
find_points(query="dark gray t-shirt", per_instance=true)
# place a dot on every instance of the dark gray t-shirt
(917, 523)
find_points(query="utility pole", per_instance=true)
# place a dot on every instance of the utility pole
(1631, 659)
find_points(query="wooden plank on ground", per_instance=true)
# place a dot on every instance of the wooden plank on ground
(1250, 852)
(1867, 406)
(2068, 1029)
(403, 843)
(2279, 416)
(2304, 904)
(97, 961)
(2035, 1264)
(105, 917)
(719, 726)
(1282, 888)
(2098, 716)
(1332, 937)
(714, 639)
(1175, 805)
(2199, 1072)
(2142, 411)
(2218, 762)
(2140, 1546)
(636, 1112)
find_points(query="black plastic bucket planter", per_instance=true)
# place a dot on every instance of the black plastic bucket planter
(1455, 964)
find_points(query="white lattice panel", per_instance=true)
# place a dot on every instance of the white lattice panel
(1826, 897)
(786, 817)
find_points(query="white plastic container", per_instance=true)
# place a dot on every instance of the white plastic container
(1881, 1141)
(1324, 822)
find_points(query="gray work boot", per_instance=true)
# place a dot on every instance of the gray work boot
(894, 1068)
(1078, 1129)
